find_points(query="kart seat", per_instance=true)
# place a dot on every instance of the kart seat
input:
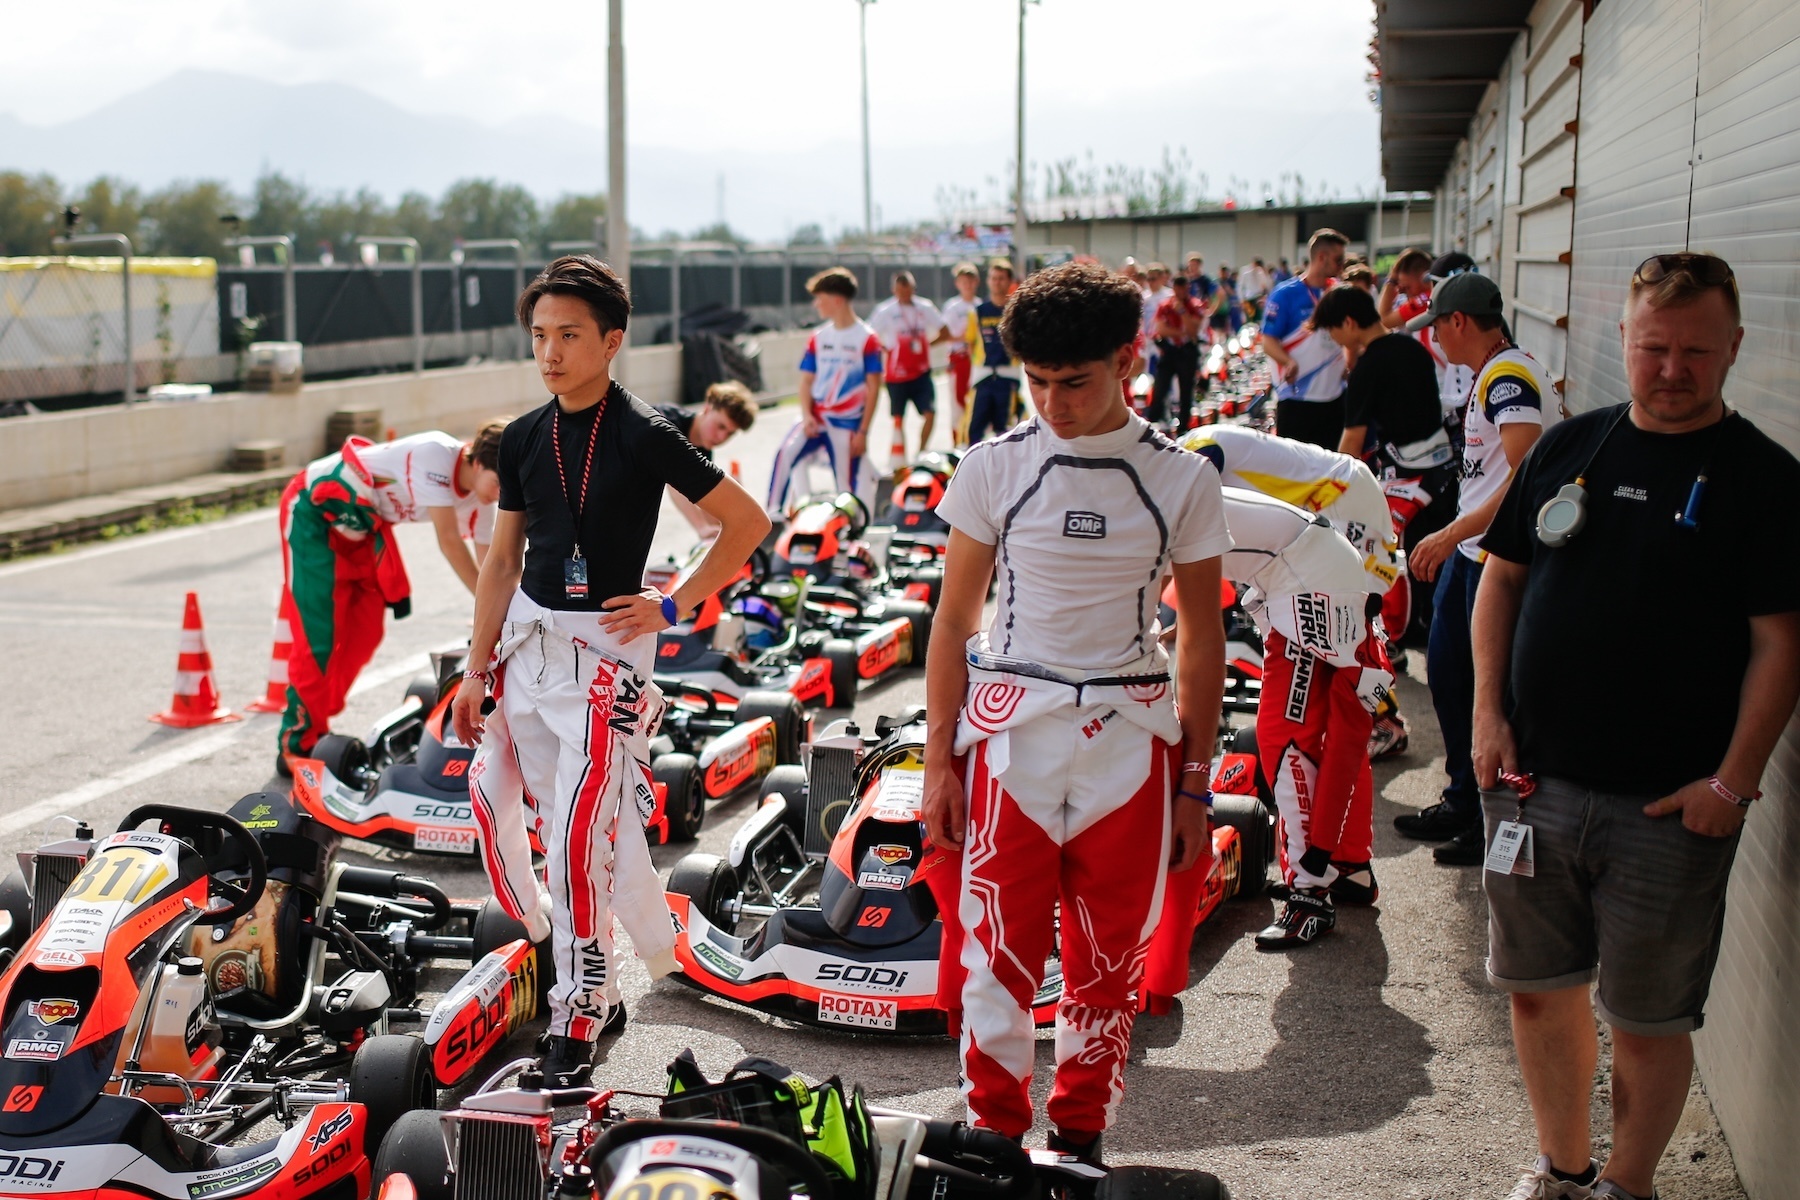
(807, 929)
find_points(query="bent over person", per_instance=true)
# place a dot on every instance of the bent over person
(1055, 757)
(341, 566)
(565, 631)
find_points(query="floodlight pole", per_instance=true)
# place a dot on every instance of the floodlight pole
(862, 18)
(1019, 217)
(411, 247)
(518, 255)
(124, 245)
(284, 249)
(618, 228)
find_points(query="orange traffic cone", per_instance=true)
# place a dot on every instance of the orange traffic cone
(196, 699)
(274, 699)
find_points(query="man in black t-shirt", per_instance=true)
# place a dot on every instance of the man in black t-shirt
(1393, 421)
(729, 410)
(564, 630)
(1637, 651)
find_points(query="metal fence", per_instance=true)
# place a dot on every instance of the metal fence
(59, 337)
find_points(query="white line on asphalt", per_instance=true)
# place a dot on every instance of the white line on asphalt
(178, 756)
(134, 542)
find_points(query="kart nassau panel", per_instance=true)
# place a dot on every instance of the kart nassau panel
(486, 1006)
(123, 1148)
(75, 989)
(738, 757)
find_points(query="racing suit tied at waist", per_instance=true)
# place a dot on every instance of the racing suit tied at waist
(1006, 691)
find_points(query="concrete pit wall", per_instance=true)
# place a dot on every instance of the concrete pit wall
(62, 456)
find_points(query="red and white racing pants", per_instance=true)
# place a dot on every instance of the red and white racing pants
(1312, 740)
(961, 368)
(567, 749)
(1068, 803)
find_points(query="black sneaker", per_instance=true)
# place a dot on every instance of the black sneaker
(615, 1021)
(1307, 916)
(1438, 823)
(1466, 849)
(1087, 1151)
(1355, 884)
(567, 1062)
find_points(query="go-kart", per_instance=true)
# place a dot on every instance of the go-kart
(823, 910)
(767, 632)
(762, 1133)
(167, 990)
(919, 536)
(1243, 647)
(407, 784)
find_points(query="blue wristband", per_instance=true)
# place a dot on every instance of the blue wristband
(1205, 798)
(669, 612)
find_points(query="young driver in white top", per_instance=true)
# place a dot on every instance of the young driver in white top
(1056, 761)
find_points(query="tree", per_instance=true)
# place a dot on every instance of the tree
(281, 205)
(573, 218)
(486, 208)
(186, 219)
(108, 205)
(28, 213)
(808, 234)
(720, 231)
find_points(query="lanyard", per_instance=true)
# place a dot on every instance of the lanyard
(580, 505)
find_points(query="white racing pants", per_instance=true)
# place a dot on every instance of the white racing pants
(1069, 778)
(567, 749)
(832, 444)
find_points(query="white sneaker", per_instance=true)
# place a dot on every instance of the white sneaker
(1541, 1183)
(1607, 1187)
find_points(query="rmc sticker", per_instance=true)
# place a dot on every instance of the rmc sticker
(858, 1012)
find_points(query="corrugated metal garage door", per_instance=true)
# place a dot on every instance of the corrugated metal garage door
(1538, 292)
(1746, 207)
(1632, 177)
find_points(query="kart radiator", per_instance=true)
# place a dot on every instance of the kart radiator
(830, 794)
(51, 875)
(499, 1160)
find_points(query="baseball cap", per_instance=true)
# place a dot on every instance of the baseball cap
(1453, 263)
(1469, 293)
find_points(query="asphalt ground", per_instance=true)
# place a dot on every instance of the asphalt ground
(1375, 1063)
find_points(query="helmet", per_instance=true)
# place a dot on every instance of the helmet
(860, 564)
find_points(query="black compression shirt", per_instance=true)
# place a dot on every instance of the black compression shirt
(636, 453)
(1393, 389)
(1632, 639)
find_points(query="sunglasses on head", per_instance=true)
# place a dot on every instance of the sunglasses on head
(1707, 270)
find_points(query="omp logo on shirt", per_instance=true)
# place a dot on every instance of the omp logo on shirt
(1077, 524)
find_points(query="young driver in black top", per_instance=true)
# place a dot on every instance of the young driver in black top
(564, 634)
(1394, 421)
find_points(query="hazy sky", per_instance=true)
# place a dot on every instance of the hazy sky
(1123, 78)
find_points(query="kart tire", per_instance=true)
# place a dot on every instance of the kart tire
(841, 654)
(1256, 841)
(785, 711)
(708, 881)
(390, 1076)
(686, 803)
(492, 928)
(918, 614)
(791, 782)
(15, 901)
(1160, 1183)
(414, 1147)
(425, 687)
(345, 757)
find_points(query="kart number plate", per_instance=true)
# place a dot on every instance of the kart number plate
(858, 1012)
(444, 839)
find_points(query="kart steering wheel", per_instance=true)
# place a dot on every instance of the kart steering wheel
(183, 823)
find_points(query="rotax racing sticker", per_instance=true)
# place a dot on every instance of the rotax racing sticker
(858, 1012)
(444, 839)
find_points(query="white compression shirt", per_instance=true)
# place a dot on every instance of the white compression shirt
(416, 473)
(1085, 529)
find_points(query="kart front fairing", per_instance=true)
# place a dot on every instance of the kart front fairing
(81, 983)
(122, 1147)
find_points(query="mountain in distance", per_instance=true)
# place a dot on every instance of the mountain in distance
(199, 124)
